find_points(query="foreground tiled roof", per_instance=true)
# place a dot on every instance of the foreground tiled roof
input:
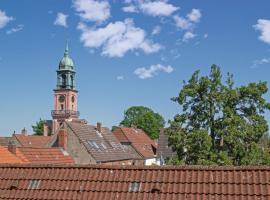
(104, 147)
(31, 140)
(44, 155)
(138, 140)
(132, 183)
(8, 157)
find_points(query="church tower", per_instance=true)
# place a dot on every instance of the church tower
(65, 94)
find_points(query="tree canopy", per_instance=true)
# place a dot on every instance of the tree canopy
(38, 128)
(220, 123)
(145, 119)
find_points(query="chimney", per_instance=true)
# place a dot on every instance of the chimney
(62, 138)
(99, 127)
(24, 132)
(12, 147)
(45, 129)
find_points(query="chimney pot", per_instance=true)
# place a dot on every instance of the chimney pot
(45, 129)
(24, 132)
(99, 127)
(12, 147)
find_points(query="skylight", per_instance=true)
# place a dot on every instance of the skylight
(103, 145)
(33, 184)
(134, 186)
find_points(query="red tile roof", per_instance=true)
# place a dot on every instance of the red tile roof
(32, 140)
(129, 182)
(44, 155)
(138, 139)
(8, 157)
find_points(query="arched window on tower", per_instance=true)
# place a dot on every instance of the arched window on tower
(64, 81)
(72, 81)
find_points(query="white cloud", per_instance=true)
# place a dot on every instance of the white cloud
(153, 70)
(130, 8)
(263, 25)
(120, 78)
(16, 29)
(182, 22)
(194, 16)
(152, 8)
(157, 8)
(188, 35)
(91, 10)
(4, 19)
(188, 23)
(156, 30)
(117, 38)
(205, 35)
(61, 20)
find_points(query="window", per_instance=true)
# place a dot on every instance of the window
(33, 184)
(72, 81)
(99, 134)
(134, 186)
(95, 144)
(62, 106)
(64, 81)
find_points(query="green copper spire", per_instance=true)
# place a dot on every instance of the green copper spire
(66, 63)
(66, 72)
(66, 50)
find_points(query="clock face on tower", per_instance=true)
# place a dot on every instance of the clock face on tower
(61, 99)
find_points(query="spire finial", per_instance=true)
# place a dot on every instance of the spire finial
(66, 50)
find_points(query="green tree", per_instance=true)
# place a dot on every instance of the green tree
(220, 123)
(39, 127)
(145, 119)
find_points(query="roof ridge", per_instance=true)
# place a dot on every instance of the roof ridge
(123, 167)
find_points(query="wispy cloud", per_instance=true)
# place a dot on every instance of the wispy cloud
(61, 19)
(120, 78)
(4, 19)
(91, 10)
(153, 70)
(156, 30)
(117, 38)
(15, 29)
(130, 8)
(263, 61)
(152, 8)
(263, 25)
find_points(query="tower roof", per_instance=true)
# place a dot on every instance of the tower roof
(66, 62)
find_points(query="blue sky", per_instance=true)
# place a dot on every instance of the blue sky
(126, 52)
